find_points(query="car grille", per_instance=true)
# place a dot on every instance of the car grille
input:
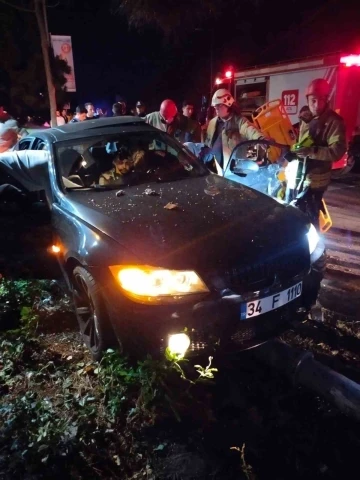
(263, 326)
(246, 331)
(281, 267)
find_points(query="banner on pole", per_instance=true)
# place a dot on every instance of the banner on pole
(63, 48)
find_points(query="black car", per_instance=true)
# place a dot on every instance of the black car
(157, 250)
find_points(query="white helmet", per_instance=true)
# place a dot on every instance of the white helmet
(222, 97)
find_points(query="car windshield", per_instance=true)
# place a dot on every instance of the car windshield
(125, 159)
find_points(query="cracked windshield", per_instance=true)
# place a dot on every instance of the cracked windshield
(119, 160)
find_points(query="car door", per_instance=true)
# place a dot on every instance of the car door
(249, 166)
(26, 233)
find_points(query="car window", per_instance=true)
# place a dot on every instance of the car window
(39, 144)
(131, 158)
(25, 144)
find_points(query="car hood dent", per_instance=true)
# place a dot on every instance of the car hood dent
(216, 223)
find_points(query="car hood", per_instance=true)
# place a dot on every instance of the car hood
(193, 223)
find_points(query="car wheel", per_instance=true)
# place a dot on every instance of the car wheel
(91, 313)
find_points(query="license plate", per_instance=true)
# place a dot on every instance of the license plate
(267, 304)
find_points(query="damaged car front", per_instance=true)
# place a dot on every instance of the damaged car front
(167, 254)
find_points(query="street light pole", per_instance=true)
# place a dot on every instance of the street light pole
(40, 12)
(46, 21)
(211, 60)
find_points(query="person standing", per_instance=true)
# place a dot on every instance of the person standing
(80, 115)
(190, 127)
(166, 119)
(328, 134)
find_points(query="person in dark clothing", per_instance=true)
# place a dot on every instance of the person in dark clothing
(305, 115)
(90, 111)
(140, 109)
(117, 109)
(80, 115)
(190, 128)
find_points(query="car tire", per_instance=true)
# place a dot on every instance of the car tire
(91, 313)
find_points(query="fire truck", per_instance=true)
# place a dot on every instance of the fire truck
(253, 87)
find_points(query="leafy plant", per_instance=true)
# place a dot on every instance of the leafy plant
(206, 372)
(32, 426)
(21, 292)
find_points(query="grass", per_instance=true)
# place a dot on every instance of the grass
(63, 416)
(61, 412)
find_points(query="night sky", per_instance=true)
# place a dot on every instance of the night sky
(112, 59)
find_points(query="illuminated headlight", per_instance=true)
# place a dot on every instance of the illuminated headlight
(313, 238)
(153, 284)
(178, 344)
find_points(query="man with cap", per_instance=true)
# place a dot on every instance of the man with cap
(140, 109)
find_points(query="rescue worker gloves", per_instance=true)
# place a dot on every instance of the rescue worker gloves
(304, 152)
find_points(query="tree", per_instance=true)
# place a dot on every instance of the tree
(166, 15)
(38, 8)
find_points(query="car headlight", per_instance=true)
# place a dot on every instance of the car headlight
(313, 238)
(157, 285)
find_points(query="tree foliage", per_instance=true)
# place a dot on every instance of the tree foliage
(166, 15)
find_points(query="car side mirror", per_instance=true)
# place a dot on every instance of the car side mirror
(244, 167)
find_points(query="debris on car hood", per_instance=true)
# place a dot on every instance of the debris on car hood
(172, 206)
(149, 191)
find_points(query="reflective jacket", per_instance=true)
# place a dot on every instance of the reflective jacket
(329, 138)
(236, 129)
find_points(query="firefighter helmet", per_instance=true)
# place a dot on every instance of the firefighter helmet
(319, 87)
(222, 97)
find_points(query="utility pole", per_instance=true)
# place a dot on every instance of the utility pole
(211, 62)
(41, 17)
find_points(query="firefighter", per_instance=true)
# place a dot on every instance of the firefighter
(227, 128)
(224, 132)
(325, 134)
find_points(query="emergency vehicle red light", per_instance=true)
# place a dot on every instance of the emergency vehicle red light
(351, 60)
(228, 74)
(218, 81)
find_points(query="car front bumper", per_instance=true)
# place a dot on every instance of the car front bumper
(213, 322)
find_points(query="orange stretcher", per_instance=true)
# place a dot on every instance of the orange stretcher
(274, 122)
(272, 119)
(325, 222)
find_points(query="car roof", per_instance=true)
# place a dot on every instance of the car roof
(90, 128)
